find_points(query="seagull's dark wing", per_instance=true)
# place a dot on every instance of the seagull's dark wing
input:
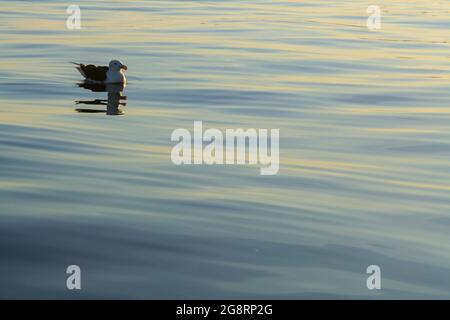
(92, 72)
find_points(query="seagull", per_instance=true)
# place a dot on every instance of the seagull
(102, 74)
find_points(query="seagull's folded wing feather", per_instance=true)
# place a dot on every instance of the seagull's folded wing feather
(92, 72)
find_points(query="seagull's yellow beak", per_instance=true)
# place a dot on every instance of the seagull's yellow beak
(124, 67)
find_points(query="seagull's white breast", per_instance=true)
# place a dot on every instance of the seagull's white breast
(115, 76)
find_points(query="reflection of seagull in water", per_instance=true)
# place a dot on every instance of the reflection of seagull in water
(102, 74)
(112, 104)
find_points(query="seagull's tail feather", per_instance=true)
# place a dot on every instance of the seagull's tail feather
(79, 68)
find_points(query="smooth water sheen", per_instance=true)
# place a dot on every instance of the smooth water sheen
(364, 119)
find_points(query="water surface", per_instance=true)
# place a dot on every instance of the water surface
(364, 174)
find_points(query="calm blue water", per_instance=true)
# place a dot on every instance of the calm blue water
(364, 176)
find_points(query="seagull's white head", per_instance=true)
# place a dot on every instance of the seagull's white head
(116, 65)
